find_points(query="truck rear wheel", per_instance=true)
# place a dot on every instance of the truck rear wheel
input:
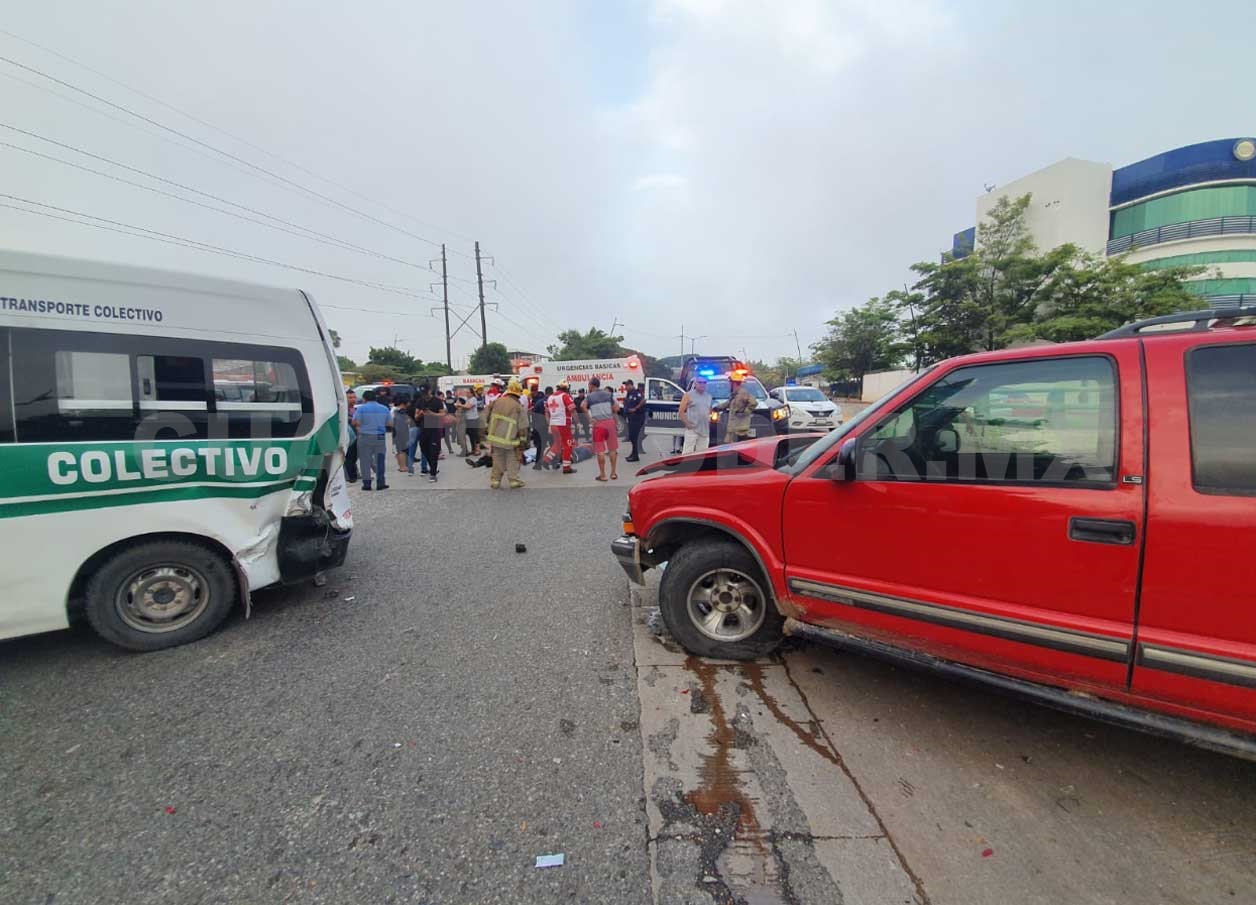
(159, 594)
(716, 602)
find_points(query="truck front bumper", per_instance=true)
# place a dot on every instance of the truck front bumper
(627, 551)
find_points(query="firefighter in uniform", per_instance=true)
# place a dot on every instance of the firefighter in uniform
(507, 419)
(740, 409)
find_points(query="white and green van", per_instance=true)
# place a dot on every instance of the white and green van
(168, 444)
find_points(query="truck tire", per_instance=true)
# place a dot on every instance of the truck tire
(717, 603)
(159, 594)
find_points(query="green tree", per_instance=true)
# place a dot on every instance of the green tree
(597, 343)
(394, 357)
(490, 358)
(1091, 295)
(777, 373)
(335, 338)
(860, 340)
(346, 363)
(372, 372)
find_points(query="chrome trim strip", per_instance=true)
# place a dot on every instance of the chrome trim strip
(1199, 666)
(1090, 645)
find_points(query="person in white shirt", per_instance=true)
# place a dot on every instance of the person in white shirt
(695, 414)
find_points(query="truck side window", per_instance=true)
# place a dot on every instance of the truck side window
(1221, 397)
(1049, 420)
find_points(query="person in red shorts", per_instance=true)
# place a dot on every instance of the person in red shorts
(602, 409)
(560, 408)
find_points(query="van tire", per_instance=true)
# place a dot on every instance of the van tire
(192, 579)
(703, 570)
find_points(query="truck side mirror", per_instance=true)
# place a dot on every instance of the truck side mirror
(842, 468)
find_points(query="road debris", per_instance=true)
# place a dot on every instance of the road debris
(350, 599)
(73, 749)
(987, 852)
(521, 548)
(169, 809)
(550, 860)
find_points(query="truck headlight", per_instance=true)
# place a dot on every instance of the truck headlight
(780, 414)
(715, 417)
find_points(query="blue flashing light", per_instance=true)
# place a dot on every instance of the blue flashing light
(706, 372)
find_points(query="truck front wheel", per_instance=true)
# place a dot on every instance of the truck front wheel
(716, 602)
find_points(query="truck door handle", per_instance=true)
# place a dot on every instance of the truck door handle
(1101, 531)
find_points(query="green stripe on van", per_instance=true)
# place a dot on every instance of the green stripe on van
(51, 505)
(43, 478)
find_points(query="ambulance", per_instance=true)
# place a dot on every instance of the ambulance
(577, 374)
(168, 445)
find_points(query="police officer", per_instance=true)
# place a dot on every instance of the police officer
(634, 411)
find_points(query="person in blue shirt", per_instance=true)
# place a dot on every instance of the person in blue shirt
(372, 422)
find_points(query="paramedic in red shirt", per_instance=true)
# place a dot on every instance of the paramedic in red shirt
(561, 408)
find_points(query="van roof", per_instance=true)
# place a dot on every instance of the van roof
(109, 272)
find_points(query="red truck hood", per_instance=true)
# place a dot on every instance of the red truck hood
(761, 453)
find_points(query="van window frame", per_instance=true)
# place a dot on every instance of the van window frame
(138, 345)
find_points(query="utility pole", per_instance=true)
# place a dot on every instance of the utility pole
(479, 278)
(444, 279)
(798, 346)
(613, 326)
(693, 344)
(682, 340)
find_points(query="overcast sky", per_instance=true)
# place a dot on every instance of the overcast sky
(732, 168)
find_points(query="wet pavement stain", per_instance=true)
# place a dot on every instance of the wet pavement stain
(748, 864)
(754, 674)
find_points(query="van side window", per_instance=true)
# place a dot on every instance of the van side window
(1049, 420)
(80, 386)
(1221, 397)
(172, 399)
(258, 398)
(70, 386)
(6, 388)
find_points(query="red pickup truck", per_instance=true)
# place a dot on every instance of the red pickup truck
(1074, 523)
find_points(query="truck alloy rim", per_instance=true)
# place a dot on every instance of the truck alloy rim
(162, 598)
(726, 605)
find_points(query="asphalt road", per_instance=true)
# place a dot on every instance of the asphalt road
(420, 730)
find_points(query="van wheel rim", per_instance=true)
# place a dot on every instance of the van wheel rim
(162, 598)
(726, 605)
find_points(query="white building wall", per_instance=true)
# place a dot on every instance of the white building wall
(1069, 204)
(878, 383)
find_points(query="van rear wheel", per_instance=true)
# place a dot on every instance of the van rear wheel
(160, 594)
(716, 602)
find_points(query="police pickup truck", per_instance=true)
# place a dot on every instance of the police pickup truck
(663, 407)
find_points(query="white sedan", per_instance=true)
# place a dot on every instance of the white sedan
(809, 409)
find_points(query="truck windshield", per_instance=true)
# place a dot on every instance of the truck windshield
(720, 389)
(799, 461)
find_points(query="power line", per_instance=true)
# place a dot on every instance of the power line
(171, 239)
(137, 126)
(313, 235)
(229, 134)
(227, 154)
